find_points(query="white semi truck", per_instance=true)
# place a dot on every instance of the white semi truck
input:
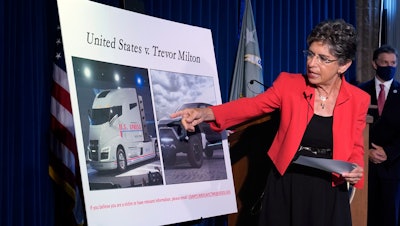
(118, 134)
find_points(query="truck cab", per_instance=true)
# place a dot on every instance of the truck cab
(118, 134)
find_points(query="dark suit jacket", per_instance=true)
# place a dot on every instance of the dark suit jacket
(295, 98)
(385, 129)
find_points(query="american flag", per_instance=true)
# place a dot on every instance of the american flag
(64, 164)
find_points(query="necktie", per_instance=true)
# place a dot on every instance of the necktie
(381, 98)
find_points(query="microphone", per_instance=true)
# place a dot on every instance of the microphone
(253, 80)
(307, 96)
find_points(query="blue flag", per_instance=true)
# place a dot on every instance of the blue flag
(247, 78)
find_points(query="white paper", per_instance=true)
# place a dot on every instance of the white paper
(111, 48)
(329, 165)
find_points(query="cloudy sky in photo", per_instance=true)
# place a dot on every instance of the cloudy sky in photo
(171, 90)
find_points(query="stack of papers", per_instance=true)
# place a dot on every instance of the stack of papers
(329, 165)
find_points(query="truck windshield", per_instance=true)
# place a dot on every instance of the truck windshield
(100, 116)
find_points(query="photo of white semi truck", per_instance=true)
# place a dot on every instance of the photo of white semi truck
(118, 134)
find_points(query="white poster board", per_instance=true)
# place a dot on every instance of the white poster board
(127, 72)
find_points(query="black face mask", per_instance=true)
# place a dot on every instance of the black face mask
(386, 73)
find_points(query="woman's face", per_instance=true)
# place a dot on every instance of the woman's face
(322, 67)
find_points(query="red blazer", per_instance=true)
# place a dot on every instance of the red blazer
(291, 94)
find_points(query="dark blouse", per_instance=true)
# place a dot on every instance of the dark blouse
(318, 133)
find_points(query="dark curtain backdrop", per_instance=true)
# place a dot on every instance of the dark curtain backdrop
(282, 29)
(26, 48)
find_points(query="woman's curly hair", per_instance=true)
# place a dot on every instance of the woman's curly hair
(341, 37)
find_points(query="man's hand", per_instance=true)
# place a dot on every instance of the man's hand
(377, 154)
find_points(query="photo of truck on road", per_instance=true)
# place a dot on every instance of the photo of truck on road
(175, 139)
(118, 135)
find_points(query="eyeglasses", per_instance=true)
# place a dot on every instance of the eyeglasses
(321, 59)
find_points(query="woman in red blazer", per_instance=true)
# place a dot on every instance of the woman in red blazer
(322, 116)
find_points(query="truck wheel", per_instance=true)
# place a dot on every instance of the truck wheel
(169, 157)
(121, 159)
(195, 152)
(209, 152)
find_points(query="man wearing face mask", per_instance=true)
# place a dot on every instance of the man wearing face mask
(384, 138)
